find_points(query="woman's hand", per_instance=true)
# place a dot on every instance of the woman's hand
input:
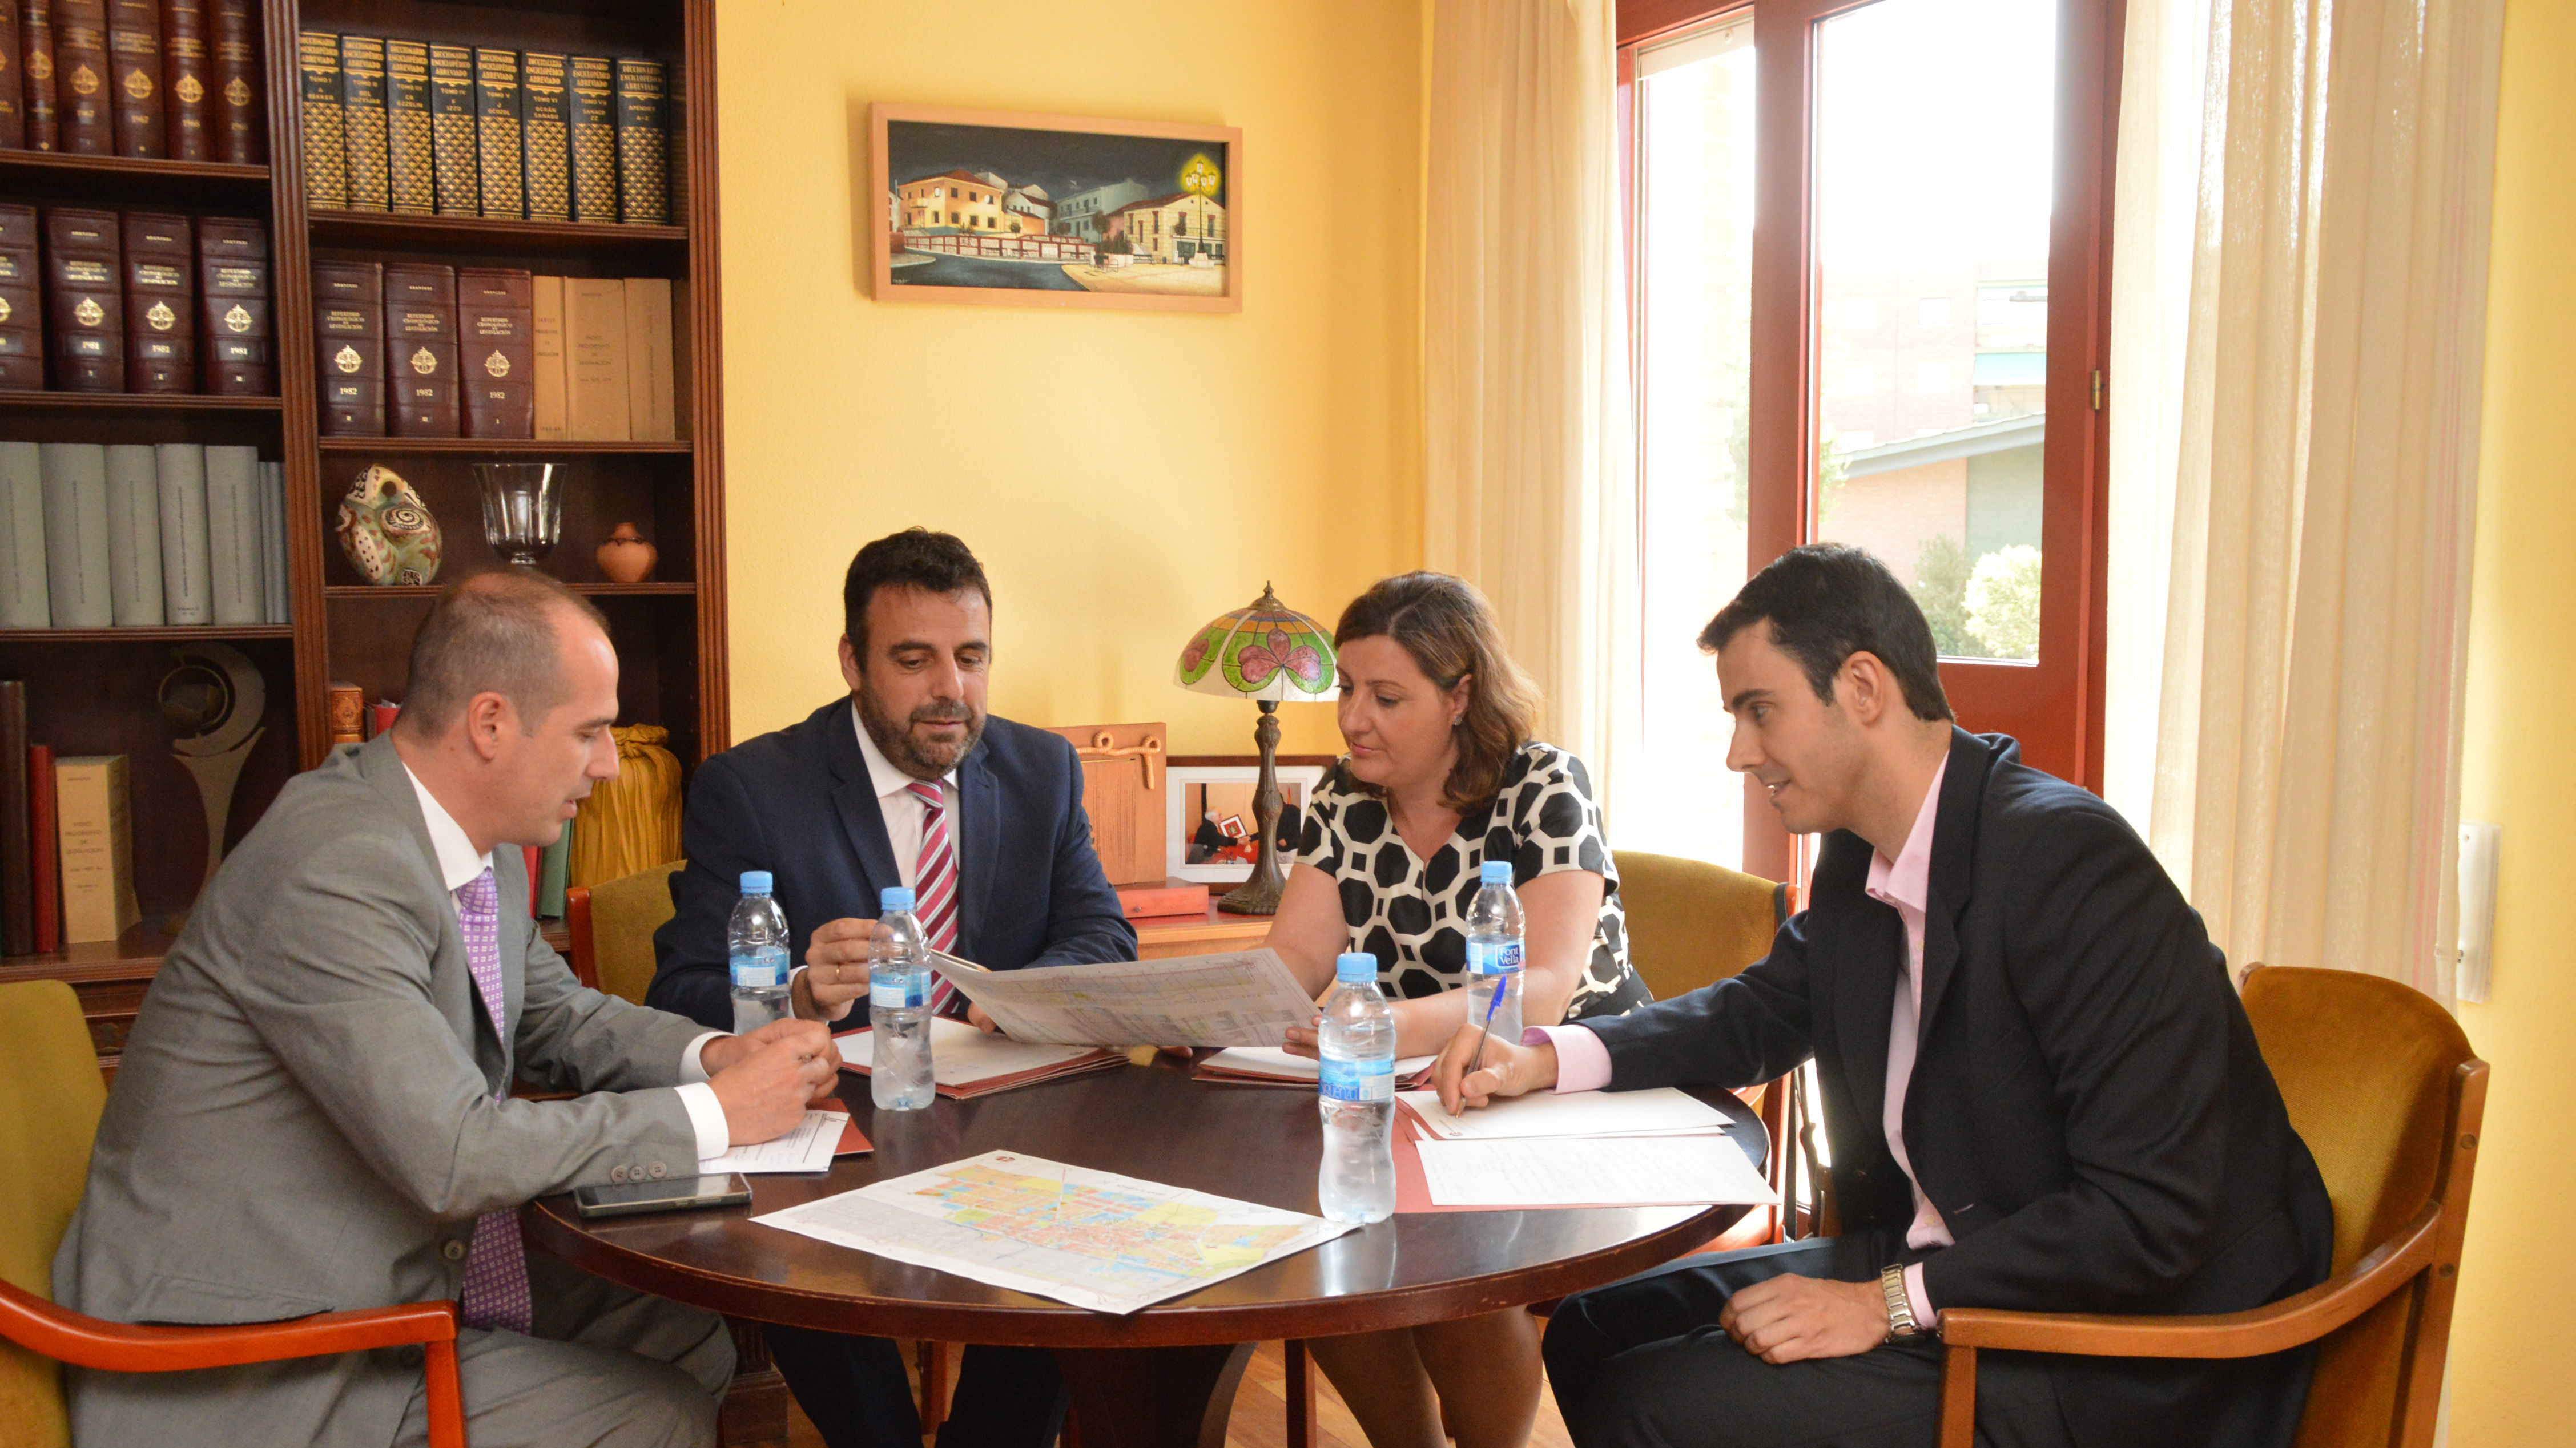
(1306, 1040)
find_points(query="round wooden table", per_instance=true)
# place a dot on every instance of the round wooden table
(1163, 1377)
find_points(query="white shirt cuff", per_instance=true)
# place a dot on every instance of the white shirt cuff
(707, 1119)
(1918, 1301)
(693, 1066)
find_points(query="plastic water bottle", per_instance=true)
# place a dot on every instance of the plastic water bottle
(899, 1007)
(1356, 1093)
(1494, 955)
(756, 949)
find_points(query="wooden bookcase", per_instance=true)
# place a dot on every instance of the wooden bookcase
(94, 691)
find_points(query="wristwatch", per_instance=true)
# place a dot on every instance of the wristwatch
(1900, 1308)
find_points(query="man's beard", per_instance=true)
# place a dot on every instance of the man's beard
(906, 752)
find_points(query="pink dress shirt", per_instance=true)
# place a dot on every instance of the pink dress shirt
(1904, 884)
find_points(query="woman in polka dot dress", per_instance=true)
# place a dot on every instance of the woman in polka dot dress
(1441, 776)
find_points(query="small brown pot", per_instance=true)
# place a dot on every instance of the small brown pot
(626, 557)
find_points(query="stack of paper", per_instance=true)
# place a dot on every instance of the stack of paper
(1273, 1066)
(966, 1062)
(809, 1146)
(1659, 1112)
(1585, 1149)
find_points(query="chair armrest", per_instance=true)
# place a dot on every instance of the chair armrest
(67, 1336)
(2300, 1318)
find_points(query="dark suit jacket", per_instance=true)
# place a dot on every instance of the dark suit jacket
(2089, 1110)
(799, 804)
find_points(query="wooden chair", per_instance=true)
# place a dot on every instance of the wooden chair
(50, 1100)
(2383, 1087)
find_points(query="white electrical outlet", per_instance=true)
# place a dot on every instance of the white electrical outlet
(2478, 845)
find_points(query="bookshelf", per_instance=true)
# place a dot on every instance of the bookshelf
(94, 691)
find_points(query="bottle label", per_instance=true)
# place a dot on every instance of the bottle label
(764, 969)
(1493, 957)
(899, 992)
(1355, 1078)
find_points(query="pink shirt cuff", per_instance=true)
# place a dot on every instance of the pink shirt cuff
(1920, 1301)
(1582, 1062)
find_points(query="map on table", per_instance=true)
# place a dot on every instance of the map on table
(1092, 1238)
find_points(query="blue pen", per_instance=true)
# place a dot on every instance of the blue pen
(1491, 1005)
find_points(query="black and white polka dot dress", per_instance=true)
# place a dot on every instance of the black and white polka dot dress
(1412, 913)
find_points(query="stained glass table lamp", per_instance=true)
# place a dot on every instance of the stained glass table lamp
(1267, 653)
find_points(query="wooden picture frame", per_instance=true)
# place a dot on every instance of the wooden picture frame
(1185, 800)
(1103, 213)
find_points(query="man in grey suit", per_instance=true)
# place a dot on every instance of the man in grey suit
(313, 1111)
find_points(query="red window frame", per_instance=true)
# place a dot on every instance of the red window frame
(2053, 706)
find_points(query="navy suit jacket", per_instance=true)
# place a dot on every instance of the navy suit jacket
(799, 804)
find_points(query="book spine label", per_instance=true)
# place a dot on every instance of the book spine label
(134, 535)
(232, 534)
(326, 146)
(76, 566)
(80, 77)
(233, 327)
(592, 111)
(240, 91)
(23, 601)
(549, 382)
(349, 335)
(13, 112)
(187, 73)
(36, 75)
(97, 843)
(22, 313)
(187, 595)
(45, 845)
(134, 67)
(86, 299)
(545, 133)
(411, 159)
(160, 304)
(362, 121)
(643, 143)
(17, 846)
(452, 139)
(420, 349)
(595, 359)
(496, 312)
(496, 114)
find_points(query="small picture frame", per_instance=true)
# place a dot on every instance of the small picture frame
(1208, 818)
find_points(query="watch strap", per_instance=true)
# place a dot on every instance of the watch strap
(1900, 1306)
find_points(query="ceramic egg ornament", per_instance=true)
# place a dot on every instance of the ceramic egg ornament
(387, 531)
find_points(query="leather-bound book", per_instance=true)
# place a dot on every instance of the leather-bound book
(17, 846)
(362, 121)
(13, 114)
(160, 303)
(451, 129)
(496, 123)
(326, 146)
(233, 326)
(187, 88)
(240, 92)
(36, 74)
(85, 299)
(349, 339)
(22, 312)
(545, 134)
(592, 108)
(80, 77)
(45, 847)
(420, 348)
(134, 72)
(496, 315)
(643, 143)
(411, 164)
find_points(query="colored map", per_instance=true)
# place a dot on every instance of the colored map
(1092, 1238)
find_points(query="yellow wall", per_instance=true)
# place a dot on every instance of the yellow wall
(2512, 1355)
(1130, 475)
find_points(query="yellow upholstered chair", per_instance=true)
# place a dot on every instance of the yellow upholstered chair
(50, 1100)
(2383, 1087)
(612, 925)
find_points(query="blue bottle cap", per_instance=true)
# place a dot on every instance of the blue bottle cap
(755, 882)
(893, 898)
(1357, 965)
(1498, 872)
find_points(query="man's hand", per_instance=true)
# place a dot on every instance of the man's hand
(836, 969)
(975, 1017)
(1510, 1069)
(763, 1080)
(1790, 1318)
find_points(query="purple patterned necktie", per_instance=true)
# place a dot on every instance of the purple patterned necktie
(496, 1272)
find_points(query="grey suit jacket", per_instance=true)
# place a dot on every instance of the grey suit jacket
(305, 1120)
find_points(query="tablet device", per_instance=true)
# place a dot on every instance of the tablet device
(674, 1195)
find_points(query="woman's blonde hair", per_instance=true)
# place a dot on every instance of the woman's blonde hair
(1448, 629)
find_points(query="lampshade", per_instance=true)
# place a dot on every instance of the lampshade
(1266, 651)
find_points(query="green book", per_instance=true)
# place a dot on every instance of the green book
(496, 122)
(362, 120)
(411, 158)
(451, 122)
(545, 135)
(643, 143)
(550, 874)
(593, 110)
(326, 160)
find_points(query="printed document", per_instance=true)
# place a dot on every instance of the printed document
(1092, 1238)
(962, 1056)
(807, 1147)
(1243, 998)
(1272, 1062)
(1662, 1111)
(1591, 1171)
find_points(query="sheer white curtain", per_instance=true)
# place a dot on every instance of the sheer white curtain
(1530, 489)
(2300, 271)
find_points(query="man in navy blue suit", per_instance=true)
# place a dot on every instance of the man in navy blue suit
(906, 782)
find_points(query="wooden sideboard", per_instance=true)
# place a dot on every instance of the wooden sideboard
(1163, 936)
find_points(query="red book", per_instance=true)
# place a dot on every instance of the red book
(380, 716)
(44, 827)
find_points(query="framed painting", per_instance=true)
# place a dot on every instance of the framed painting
(1208, 822)
(1055, 211)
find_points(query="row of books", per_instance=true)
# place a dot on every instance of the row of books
(156, 79)
(422, 349)
(66, 840)
(134, 302)
(455, 130)
(134, 535)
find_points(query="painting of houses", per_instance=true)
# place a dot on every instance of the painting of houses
(983, 206)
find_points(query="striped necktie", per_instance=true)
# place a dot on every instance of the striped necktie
(934, 889)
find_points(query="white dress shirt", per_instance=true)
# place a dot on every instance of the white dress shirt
(903, 810)
(459, 863)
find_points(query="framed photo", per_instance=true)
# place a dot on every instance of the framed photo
(1055, 211)
(1209, 818)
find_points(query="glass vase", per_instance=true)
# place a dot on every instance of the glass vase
(522, 509)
